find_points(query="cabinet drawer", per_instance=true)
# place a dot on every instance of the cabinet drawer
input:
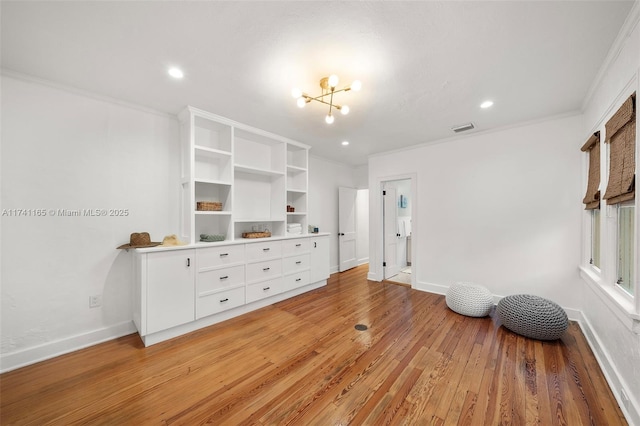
(299, 245)
(261, 251)
(264, 289)
(217, 279)
(218, 302)
(213, 257)
(264, 270)
(296, 263)
(293, 281)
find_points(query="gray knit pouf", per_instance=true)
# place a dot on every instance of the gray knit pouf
(472, 300)
(533, 316)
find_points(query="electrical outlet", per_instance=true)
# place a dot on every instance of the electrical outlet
(625, 399)
(95, 301)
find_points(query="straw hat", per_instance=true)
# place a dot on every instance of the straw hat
(172, 240)
(139, 240)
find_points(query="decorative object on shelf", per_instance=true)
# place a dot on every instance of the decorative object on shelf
(532, 316)
(264, 234)
(328, 86)
(294, 228)
(205, 206)
(211, 238)
(172, 240)
(291, 209)
(139, 240)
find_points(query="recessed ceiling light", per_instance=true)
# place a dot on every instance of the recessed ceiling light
(176, 73)
(345, 143)
(486, 104)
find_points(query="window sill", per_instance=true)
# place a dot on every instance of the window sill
(617, 303)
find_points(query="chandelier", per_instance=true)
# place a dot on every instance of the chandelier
(328, 85)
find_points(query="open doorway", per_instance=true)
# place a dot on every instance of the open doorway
(397, 220)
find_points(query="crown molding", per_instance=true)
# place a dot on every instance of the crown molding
(619, 43)
(4, 72)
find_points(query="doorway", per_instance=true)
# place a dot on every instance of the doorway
(397, 232)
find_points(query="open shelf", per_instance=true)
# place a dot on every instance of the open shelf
(205, 191)
(211, 134)
(276, 227)
(257, 170)
(253, 173)
(258, 152)
(297, 157)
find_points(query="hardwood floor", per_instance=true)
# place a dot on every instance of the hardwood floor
(302, 362)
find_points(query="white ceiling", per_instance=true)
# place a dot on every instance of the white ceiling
(425, 66)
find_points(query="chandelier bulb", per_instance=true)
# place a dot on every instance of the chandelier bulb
(301, 102)
(329, 119)
(296, 93)
(333, 80)
(344, 109)
(356, 85)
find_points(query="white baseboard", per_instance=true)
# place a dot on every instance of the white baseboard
(21, 358)
(616, 382)
(432, 288)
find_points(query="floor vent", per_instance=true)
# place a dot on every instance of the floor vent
(463, 128)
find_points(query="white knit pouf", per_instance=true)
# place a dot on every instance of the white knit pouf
(470, 299)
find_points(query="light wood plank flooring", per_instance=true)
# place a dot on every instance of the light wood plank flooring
(302, 362)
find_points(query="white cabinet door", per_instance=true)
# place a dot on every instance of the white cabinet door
(319, 259)
(170, 289)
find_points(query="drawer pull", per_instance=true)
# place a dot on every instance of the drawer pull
(298, 262)
(224, 254)
(224, 300)
(266, 249)
(298, 245)
(225, 277)
(267, 288)
(188, 262)
(298, 279)
(265, 269)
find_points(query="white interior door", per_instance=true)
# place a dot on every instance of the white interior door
(390, 218)
(347, 228)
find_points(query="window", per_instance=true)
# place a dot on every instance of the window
(592, 197)
(595, 238)
(621, 137)
(625, 247)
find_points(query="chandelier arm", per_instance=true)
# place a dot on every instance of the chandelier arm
(318, 98)
(322, 102)
(331, 102)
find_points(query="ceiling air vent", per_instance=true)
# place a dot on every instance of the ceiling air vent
(463, 128)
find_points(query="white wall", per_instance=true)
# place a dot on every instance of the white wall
(325, 177)
(608, 326)
(496, 208)
(63, 150)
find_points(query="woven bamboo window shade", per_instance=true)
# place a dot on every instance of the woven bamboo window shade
(621, 135)
(592, 197)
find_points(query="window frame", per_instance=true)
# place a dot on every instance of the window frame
(602, 280)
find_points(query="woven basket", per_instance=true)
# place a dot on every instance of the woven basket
(208, 206)
(256, 234)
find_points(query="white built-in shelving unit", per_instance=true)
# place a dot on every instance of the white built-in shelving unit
(253, 173)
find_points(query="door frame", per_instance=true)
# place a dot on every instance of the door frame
(376, 227)
(341, 262)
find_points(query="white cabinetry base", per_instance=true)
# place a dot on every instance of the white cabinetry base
(151, 339)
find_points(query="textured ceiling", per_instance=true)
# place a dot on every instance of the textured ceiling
(425, 66)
